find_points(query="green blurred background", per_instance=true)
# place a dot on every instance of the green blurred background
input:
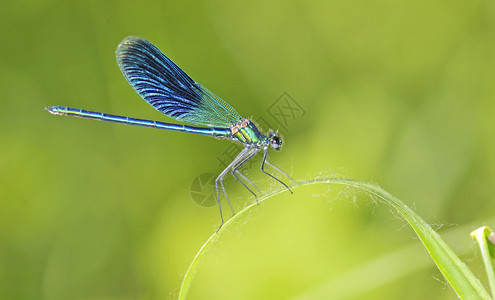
(399, 93)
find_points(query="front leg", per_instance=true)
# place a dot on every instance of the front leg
(263, 170)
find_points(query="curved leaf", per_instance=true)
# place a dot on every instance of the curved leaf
(462, 280)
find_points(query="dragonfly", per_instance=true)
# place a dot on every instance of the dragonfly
(168, 89)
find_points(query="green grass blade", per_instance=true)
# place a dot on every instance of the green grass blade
(406, 261)
(481, 236)
(462, 280)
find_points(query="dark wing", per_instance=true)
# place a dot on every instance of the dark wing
(169, 89)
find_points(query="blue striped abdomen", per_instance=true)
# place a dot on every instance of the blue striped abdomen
(86, 114)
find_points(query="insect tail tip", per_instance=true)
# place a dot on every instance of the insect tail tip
(52, 109)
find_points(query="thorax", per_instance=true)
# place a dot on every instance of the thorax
(245, 131)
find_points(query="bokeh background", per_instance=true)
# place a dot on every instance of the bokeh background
(400, 93)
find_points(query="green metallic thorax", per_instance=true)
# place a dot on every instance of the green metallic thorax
(246, 132)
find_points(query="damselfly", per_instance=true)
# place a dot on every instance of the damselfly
(172, 92)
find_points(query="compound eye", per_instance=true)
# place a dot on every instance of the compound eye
(276, 142)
